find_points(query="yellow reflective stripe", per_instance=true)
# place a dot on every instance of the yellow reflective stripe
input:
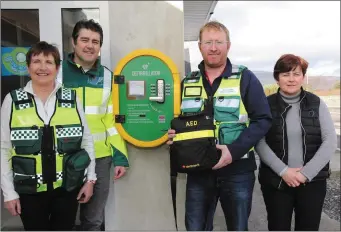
(109, 109)
(94, 110)
(190, 104)
(99, 136)
(112, 131)
(106, 86)
(193, 135)
(98, 110)
(243, 118)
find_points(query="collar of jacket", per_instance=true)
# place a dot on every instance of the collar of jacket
(28, 87)
(282, 104)
(226, 73)
(93, 71)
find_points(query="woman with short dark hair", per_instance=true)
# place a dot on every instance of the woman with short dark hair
(295, 153)
(47, 150)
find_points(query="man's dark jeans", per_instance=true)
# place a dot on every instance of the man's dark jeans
(205, 189)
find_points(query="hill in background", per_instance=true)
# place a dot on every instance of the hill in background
(314, 82)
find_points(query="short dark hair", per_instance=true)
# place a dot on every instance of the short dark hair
(288, 62)
(87, 24)
(46, 49)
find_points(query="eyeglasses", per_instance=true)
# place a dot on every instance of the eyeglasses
(209, 43)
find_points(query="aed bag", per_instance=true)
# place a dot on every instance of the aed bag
(194, 148)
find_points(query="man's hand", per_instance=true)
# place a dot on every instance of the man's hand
(85, 193)
(119, 172)
(171, 135)
(225, 158)
(13, 207)
(301, 178)
(290, 177)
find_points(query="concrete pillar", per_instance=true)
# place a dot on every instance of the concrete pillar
(142, 199)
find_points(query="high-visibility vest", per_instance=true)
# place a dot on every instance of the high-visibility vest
(98, 109)
(230, 115)
(27, 138)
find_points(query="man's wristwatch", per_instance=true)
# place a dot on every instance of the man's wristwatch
(91, 181)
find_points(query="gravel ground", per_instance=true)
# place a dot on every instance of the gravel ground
(332, 201)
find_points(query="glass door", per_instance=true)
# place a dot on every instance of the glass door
(19, 30)
(25, 23)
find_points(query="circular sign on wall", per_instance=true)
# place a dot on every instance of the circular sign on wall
(146, 97)
(14, 61)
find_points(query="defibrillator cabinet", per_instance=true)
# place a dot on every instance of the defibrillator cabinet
(146, 97)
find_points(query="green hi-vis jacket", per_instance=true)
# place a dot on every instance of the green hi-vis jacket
(94, 89)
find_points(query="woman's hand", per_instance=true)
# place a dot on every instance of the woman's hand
(290, 177)
(13, 207)
(301, 178)
(85, 193)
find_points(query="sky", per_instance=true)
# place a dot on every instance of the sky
(262, 31)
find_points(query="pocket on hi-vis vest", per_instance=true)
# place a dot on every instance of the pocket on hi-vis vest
(26, 141)
(24, 174)
(74, 169)
(226, 109)
(69, 138)
(193, 105)
(229, 132)
(193, 91)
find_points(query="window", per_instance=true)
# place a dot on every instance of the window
(69, 18)
(19, 30)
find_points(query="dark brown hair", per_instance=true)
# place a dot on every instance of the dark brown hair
(46, 49)
(288, 62)
(87, 24)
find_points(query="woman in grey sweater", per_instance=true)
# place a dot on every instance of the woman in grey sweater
(296, 151)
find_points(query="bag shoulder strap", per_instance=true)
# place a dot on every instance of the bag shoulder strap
(173, 179)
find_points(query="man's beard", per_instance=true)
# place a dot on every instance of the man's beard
(215, 65)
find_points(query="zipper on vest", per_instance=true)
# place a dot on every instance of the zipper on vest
(304, 132)
(283, 134)
(84, 97)
(19, 174)
(280, 183)
(48, 157)
(304, 135)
